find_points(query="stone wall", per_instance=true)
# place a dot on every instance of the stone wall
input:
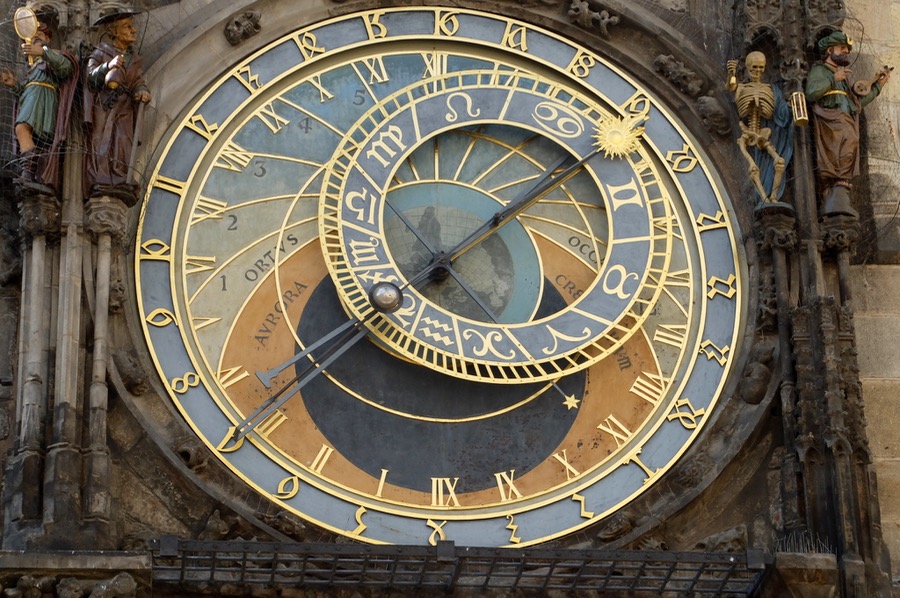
(876, 290)
(878, 42)
(877, 287)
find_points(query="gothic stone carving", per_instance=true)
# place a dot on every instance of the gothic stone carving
(242, 27)
(580, 12)
(682, 77)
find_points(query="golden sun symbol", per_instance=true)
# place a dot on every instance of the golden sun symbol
(618, 137)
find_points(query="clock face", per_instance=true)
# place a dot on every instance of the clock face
(570, 289)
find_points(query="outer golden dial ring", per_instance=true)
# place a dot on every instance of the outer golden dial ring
(214, 242)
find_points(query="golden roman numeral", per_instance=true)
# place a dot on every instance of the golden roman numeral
(272, 119)
(377, 72)
(321, 459)
(324, 94)
(649, 387)
(564, 459)
(194, 264)
(263, 429)
(616, 429)
(233, 157)
(232, 376)
(270, 424)
(507, 486)
(381, 481)
(207, 209)
(443, 492)
(435, 64)
(670, 334)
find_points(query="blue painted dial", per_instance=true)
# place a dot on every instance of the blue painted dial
(527, 388)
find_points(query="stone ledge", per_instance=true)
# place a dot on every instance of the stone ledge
(62, 563)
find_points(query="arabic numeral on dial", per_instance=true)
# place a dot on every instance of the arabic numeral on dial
(305, 125)
(189, 380)
(233, 220)
(259, 169)
(224, 283)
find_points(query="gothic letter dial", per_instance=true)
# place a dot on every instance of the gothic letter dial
(420, 274)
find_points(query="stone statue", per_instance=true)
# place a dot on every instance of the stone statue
(766, 128)
(44, 105)
(836, 106)
(242, 27)
(114, 94)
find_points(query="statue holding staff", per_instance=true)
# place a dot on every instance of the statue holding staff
(114, 95)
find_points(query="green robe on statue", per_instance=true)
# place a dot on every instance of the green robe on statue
(39, 95)
(836, 124)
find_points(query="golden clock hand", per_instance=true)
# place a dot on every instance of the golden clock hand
(384, 297)
(544, 185)
(352, 334)
(269, 375)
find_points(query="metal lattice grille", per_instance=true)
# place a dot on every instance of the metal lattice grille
(187, 564)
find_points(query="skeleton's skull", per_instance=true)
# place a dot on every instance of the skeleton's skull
(756, 66)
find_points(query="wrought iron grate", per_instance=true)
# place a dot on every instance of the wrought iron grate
(180, 564)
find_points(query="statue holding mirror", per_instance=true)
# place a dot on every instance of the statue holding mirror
(44, 102)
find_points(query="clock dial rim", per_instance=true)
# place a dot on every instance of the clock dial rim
(138, 264)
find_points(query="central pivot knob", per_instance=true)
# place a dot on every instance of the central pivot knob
(386, 297)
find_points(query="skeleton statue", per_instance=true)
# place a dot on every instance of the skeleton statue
(765, 126)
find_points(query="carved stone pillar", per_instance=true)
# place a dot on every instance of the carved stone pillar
(777, 237)
(63, 498)
(106, 220)
(865, 561)
(22, 491)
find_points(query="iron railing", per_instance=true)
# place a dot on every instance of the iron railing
(185, 565)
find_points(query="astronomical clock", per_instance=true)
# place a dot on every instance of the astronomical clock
(420, 274)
